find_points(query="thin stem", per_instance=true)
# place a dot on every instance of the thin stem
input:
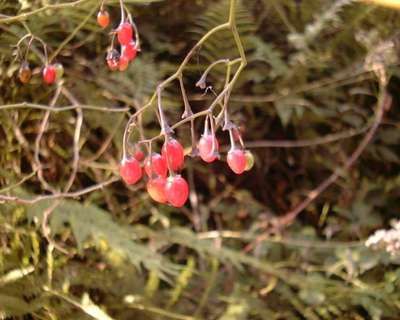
(121, 3)
(135, 28)
(25, 15)
(188, 110)
(56, 109)
(213, 147)
(76, 194)
(28, 49)
(202, 81)
(169, 165)
(73, 33)
(165, 128)
(206, 131)
(232, 140)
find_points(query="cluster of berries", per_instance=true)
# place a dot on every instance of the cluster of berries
(127, 36)
(174, 190)
(50, 72)
(238, 159)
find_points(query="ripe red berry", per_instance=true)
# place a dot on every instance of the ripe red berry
(130, 170)
(249, 160)
(129, 51)
(103, 18)
(157, 167)
(156, 189)
(236, 161)
(125, 33)
(174, 151)
(138, 154)
(49, 74)
(177, 191)
(123, 63)
(205, 146)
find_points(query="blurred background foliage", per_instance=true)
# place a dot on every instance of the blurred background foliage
(129, 258)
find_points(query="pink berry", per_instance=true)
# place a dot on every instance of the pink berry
(205, 146)
(177, 191)
(129, 51)
(172, 151)
(130, 170)
(49, 74)
(156, 189)
(138, 154)
(157, 167)
(125, 33)
(237, 161)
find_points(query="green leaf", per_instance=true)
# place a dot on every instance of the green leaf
(90, 223)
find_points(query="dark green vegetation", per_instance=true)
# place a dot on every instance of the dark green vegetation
(305, 102)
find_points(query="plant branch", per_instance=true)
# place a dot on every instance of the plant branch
(76, 194)
(384, 103)
(24, 16)
(24, 105)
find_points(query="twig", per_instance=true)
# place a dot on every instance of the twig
(56, 109)
(76, 194)
(75, 163)
(37, 163)
(384, 103)
(103, 146)
(77, 134)
(25, 15)
(24, 179)
(72, 34)
(165, 128)
(330, 138)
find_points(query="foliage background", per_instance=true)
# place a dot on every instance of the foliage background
(129, 258)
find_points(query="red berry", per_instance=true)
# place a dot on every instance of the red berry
(103, 18)
(158, 166)
(177, 191)
(130, 170)
(123, 63)
(249, 160)
(156, 189)
(205, 146)
(138, 154)
(174, 151)
(49, 74)
(125, 33)
(237, 161)
(129, 51)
